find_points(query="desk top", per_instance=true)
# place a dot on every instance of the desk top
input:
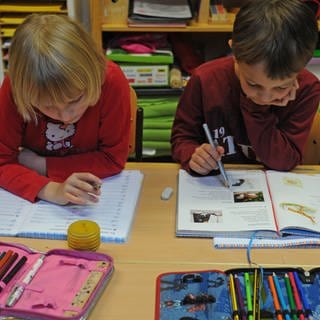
(153, 249)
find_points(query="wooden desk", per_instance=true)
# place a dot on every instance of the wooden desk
(153, 248)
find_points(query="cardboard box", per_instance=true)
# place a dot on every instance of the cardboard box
(147, 75)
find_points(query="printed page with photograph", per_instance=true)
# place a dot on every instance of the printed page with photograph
(207, 208)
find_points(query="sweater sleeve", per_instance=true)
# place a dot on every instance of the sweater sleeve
(14, 177)
(187, 133)
(278, 134)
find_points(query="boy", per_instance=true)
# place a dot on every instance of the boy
(258, 103)
(64, 114)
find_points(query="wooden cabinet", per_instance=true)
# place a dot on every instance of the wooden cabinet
(12, 13)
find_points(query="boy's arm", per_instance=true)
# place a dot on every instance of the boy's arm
(278, 134)
(187, 132)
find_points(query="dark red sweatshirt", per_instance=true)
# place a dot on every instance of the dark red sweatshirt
(97, 143)
(274, 136)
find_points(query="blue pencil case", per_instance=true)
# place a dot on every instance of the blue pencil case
(239, 294)
(56, 285)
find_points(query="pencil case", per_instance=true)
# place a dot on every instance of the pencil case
(53, 285)
(214, 294)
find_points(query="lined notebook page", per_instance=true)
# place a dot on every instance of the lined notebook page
(114, 212)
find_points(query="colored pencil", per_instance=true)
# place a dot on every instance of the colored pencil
(233, 298)
(276, 303)
(296, 296)
(290, 297)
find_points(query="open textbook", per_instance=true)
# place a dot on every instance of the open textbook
(270, 203)
(114, 213)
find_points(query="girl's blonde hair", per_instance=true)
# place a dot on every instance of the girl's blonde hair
(52, 58)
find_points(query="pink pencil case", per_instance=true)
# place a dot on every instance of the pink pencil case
(66, 285)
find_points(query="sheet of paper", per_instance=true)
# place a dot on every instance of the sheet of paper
(12, 213)
(114, 213)
(296, 199)
(206, 207)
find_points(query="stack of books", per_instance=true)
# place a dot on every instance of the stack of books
(153, 13)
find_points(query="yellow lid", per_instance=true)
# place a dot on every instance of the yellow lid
(84, 235)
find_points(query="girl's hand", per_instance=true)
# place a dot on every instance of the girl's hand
(204, 159)
(79, 188)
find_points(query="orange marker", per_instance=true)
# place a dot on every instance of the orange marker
(275, 298)
(5, 258)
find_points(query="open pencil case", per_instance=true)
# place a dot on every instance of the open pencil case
(208, 295)
(58, 284)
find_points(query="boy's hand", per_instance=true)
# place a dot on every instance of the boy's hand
(79, 188)
(291, 95)
(204, 159)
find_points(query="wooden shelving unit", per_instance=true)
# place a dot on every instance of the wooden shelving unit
(109, 16)
(12, 13)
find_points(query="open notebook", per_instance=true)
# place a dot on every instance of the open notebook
(271, 202)
(114, 212)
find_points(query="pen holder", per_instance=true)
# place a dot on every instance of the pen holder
(239, 294)
(59, 284)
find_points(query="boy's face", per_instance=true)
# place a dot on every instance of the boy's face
(263, 90)
(69, 112)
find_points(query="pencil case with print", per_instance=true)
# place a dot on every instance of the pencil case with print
(239, 294)
(53, 285)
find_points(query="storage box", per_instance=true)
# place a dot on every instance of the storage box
(147, 75)
(115, 12)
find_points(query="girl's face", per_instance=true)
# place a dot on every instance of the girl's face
(69, 112)
(261, 89)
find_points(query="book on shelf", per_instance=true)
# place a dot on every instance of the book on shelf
(270, 203)
(114, 213)
(155, 24)
(157, 57)
(160, 11)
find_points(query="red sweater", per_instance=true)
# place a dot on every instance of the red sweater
(97, 143)
(274, 136)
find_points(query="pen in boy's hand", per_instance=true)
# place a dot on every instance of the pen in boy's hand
(219, 162)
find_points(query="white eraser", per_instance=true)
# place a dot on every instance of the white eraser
(166, 193)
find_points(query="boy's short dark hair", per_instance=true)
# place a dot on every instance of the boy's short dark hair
(280, 33)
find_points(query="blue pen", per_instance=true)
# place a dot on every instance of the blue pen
(303, 298)
(280, 297)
